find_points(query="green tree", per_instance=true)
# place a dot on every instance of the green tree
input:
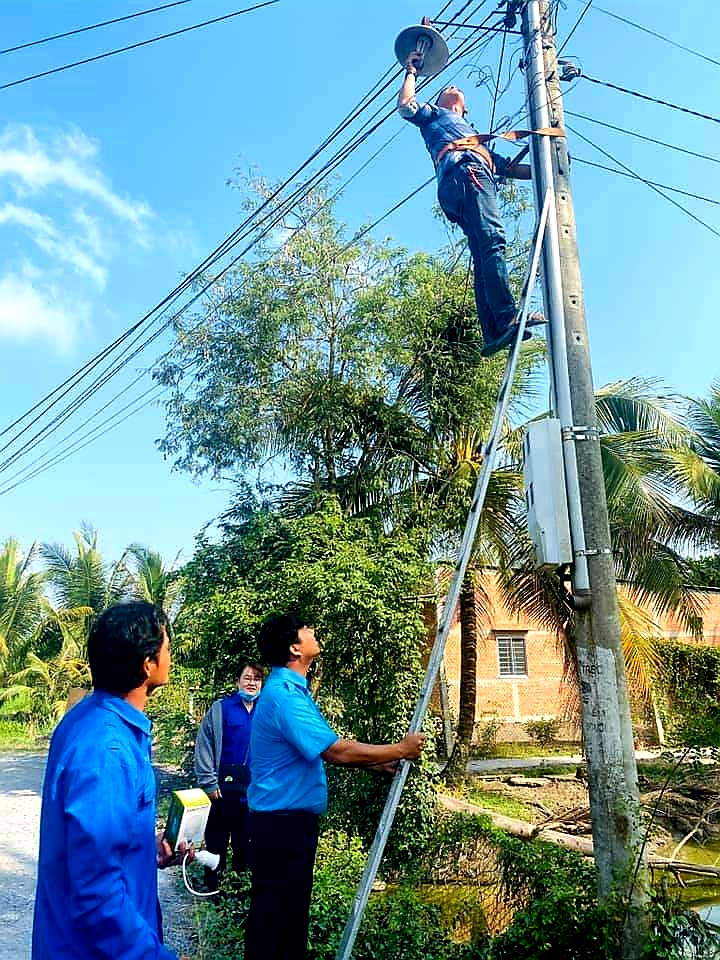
(287, 372)
(361, 589)
(83, 581)
(22, 604)
(41, 688)
(151, 580)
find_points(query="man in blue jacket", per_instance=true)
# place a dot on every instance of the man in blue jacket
(288, 790)
(222, 768)
(466, 170)
(96, 895)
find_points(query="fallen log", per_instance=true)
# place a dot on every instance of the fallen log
(581, 845)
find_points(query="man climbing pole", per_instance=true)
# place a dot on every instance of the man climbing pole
(466, 170)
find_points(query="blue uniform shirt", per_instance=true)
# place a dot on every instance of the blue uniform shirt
(439, 127)
(289, 734)
(96, 895)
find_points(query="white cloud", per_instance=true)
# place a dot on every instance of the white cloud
(30, 310)
(67, 224)
(48, 238)
(66, 160)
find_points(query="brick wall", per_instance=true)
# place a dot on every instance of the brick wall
(541, 691)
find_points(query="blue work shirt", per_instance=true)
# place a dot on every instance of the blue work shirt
(439, 127)
(96, 896)
(289, 734)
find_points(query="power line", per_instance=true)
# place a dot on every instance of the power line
(94, 26)
(274, 216)
(497, 83)
(641, 136)
(575, 26)
(646, 182)
(652, 183)
(134, 46)
(654, 33)
(644, 96)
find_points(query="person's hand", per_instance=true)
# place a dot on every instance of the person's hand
(413, 62)
(412, 745)
(166, 857)
(215, 795)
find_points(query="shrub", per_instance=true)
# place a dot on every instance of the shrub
(485, 738)
(544, 732)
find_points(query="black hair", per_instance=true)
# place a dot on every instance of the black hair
(253, 665)
(120, 641)
(276, 637)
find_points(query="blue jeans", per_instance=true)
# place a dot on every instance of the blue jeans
(467, 196)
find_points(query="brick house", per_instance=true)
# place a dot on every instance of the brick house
(520, 673)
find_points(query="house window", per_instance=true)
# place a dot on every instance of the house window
(512, 656)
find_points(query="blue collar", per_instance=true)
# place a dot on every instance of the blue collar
(131, 715)
(285, 673)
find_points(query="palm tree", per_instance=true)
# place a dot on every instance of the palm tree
(22, 604)
(41, 688)
(152, 581)
(699, 464)
(643, 440)
(83, 581)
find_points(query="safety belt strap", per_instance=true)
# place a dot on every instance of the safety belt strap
(475, 142)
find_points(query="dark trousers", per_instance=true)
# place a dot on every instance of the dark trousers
(227, 823)
(467, 196)
(282, 856)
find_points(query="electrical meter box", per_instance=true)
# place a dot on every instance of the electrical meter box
(546, 495)
(187, 817)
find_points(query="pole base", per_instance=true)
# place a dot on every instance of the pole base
(426, 40)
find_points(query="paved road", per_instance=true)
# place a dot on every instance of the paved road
(20, 786)
(524, 763)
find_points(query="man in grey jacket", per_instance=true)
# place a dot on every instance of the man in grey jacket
(222, 753)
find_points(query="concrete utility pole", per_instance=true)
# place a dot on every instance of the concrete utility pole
(607, 727)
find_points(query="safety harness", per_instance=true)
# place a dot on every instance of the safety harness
(475, 143)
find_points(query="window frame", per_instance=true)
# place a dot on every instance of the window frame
(512, 637)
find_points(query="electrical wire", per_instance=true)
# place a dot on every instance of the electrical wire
(653, 33)
(497, 84)
(575, 26)
(94, 26)
(644, 96)
(646, 182)
(233, 237)
(653, 183)
(135, 46)
(640, 136)
(107, 374)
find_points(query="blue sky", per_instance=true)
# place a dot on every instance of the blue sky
(113, 184)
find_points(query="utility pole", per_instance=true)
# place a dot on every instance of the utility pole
(607, 726)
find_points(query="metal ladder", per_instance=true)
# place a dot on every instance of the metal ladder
(436, 654)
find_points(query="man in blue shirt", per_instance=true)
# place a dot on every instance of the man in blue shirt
(288, 789)
(222, 751)
(96, 896)
(466, 169)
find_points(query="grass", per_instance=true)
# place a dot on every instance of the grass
(522, 750)
(499, 803)
(19, 737)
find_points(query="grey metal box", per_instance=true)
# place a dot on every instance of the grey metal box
(545, 494)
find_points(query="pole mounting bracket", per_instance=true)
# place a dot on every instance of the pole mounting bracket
(580, 433)
(605, 551)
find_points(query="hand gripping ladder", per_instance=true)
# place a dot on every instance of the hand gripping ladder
(436, 655)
